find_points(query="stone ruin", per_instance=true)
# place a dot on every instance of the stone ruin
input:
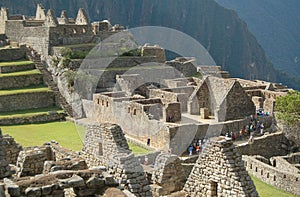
(168, 175)
(107, 162)
(4, 164)
(220, 171)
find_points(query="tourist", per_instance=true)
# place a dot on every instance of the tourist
(191, 150)
(146, 162)
(148, 142)
(251, 139)
(233, 136)
(241, 134)
(262, 128)
(198, 149)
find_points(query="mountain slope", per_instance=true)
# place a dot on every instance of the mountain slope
(219, 30)
(276, 25)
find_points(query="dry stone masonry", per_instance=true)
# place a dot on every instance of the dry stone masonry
(4, 167)
(220, 171)
(168, 175)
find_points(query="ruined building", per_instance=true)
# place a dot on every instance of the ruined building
(45, 30)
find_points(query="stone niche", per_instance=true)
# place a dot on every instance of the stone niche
(219, 171)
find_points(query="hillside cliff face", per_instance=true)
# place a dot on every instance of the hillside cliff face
(219, 30)
(275, 24)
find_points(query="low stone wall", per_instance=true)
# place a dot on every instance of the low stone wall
(16, 68)
(14, 102)
(20, 81)
(33, 119)
(168, 175)
(150, 157)
(267, 146)
(273, 176)
(31, 160)
(61, 152)
(12, 54)
(12, 149)
(4, 167)
(281, 163)
(84, 183)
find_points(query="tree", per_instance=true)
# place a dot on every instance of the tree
(288, 112)
(288, 108)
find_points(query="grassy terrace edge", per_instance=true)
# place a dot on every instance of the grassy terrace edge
(21, 73)
(16, 63)
(28, 113)
(25, 90)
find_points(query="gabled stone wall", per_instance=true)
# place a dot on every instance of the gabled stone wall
(220, 171)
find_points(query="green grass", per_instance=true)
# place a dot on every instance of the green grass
(40, 88)
(266, 190)
(19, 73)
(137, 150)
(16, 63)
(67, 134)
(30, 112)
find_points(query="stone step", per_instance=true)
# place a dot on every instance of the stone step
(26, 98)
(20, 79)
(32, 116)
(9, 67)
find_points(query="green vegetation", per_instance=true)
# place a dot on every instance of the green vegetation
(288, 107)
(19, 73)
(137, 150)
(29, 112)
(266, 190)
(39, 88)
(16, 63)
(67, 134)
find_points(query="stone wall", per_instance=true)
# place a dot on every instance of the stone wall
(31, 160)
(4, 167)
(267, 146)
(12, 54)
(12, 149)
(16, 68)
(237, 103)
(20, 81)
(13, 102)
(51, 116)
(168, 175)
(220, 171)
(273, 176)
(83, 183)
(119, 160)
(36, 37)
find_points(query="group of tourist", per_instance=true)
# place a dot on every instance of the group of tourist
(255, 127)
(197, 146)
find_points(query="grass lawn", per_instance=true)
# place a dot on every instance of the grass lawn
(67, 134)
(16, 63)
(266, 190)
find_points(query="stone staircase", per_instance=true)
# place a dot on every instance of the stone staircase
(48, 79)
(24, 97)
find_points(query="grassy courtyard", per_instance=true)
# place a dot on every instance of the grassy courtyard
(67, 134)
(70, 136)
